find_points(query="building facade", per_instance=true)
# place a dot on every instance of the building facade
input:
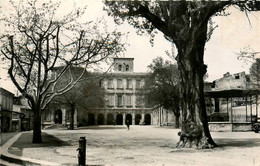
(6, 107)
(124, 99)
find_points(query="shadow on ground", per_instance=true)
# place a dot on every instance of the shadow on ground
(247, 142)
(102, 127)
(25, 141)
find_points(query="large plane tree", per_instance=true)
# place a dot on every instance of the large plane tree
(35, 39)
(185, 24)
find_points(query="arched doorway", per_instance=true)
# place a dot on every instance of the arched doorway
(128, 118)
(110, 119)
(91, 119)
(147, 119)
(138, 118)
(119, 119)
(100, 119)
(58, 117)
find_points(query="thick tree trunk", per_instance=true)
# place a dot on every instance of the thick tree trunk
(37, 137)
(177, 121)
(195, 131)
(177, 117)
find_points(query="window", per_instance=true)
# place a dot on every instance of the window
(110, 100)
(119, 100)
(119, 67)
(110, 84)
(68, 115)
(213, 84)
(119, 84)
(4, 103)
(129, 84)
(147, 102)
(128, 99)
(53, 74)
(47, 116)
(138, 101)
(127, 68)
(236, 77)
(138, 84)
(10, 104)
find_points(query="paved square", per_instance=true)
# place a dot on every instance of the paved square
(146, 145)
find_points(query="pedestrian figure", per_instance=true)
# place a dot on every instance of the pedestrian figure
(128, 124)
(114, 122)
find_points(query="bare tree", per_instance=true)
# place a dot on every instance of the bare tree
(36, 40)
(185, 24)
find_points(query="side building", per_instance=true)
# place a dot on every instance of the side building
(232, 103)
(6, 107)
(10, 118)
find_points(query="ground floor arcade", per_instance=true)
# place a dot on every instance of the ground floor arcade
(100, 117)
(115, 117)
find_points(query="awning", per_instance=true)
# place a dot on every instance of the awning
(231, 93)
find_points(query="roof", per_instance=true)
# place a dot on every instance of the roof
(126, 74)
(5, 92)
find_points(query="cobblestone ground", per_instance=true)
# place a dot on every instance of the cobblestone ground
(144, 145)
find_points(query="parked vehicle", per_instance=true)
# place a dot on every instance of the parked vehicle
(256, 126)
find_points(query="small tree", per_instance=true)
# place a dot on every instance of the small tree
(35, 40)
(255, 74)
(250, 56)
(162, 86)
(86, 94)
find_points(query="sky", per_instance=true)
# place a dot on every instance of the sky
(234, 33)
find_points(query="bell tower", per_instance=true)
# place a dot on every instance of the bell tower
(123, 64)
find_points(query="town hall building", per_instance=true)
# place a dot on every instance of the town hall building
(124, 100)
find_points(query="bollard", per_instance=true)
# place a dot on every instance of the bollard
(82, 151)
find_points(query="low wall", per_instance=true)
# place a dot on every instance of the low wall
(227, 126)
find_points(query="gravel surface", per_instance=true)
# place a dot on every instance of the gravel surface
(141, 145)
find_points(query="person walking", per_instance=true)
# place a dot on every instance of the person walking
(128, 124)
(114, 122)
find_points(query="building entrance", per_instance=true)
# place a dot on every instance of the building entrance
(58, 117)
(100, 119)
(128, 118)
(147, 119)
(91, 119)
(110, 119)
(138, 118)
(119, 119)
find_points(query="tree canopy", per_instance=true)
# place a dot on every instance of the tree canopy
(162, 86)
